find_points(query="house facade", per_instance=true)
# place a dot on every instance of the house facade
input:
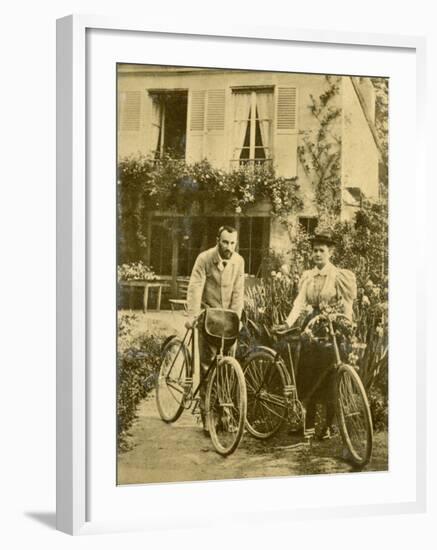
(233, 118)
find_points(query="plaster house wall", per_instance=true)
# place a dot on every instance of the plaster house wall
(360, 158)
(210, 130)
(215, 144)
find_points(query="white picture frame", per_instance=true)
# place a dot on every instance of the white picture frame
(74, 208)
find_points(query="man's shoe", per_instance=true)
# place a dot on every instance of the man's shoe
(204, 422)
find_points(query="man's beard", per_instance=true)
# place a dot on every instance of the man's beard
(225, 254)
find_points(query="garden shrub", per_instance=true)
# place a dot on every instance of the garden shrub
(137, 368)
(379, 409)
(362, 247)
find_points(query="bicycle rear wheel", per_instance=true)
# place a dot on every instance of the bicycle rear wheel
(265, 378)
(353, 415)
(226, 405)
(173, 372)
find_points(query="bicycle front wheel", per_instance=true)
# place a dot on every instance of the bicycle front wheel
(173, 372)
(226, 405)
(353, 415)
(265, 378)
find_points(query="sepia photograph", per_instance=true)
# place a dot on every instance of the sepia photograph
(252, 274)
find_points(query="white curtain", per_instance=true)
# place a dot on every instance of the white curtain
(241, 117)
(156, 123)
(264, 103)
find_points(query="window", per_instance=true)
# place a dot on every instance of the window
(197, 233)
(169, 124)
(253, 243)
(161, 245)
(308, 224)
(175, 242)
(253, 122)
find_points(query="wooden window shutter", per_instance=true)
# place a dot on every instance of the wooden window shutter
(215, 120)
(196, 126)
(287, 109)
(130, 111)
(285, 145)
(197, 118)
(206, 137)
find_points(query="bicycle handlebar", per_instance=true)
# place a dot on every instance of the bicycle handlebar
(331, 316)
(285, 331)
(194, 322)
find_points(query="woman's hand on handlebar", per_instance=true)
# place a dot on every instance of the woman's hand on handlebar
(282, 327)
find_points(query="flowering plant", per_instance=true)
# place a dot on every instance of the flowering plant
(170, 183)
(361, 246)
(318, 332)
(136, 271)
(269, 301)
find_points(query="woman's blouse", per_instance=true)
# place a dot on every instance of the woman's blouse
(324, 285)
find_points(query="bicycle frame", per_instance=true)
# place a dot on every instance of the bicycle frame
(223, 405)
(321, 379)
(290, 362)
(191, 341)
(281, 392)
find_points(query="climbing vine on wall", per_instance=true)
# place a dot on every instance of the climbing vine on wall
(171, 185)
(319, 152)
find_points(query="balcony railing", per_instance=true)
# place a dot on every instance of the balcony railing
(235, 164)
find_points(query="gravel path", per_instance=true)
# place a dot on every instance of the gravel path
(180, 452)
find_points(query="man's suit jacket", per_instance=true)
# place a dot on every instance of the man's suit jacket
(213, 285)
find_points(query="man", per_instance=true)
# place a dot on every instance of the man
(217, 280)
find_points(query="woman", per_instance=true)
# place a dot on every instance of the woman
(325, 284)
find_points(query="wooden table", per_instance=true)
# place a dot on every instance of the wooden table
(146, 285)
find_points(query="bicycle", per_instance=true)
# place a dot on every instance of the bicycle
(225, 401)
(272, 393)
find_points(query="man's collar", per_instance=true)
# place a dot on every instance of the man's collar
(218, 259)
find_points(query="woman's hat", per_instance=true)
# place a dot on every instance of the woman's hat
(323, 237)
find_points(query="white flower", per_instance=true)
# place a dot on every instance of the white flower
(273, 273)
(365, 301)
(238, 209)
(285, 269)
